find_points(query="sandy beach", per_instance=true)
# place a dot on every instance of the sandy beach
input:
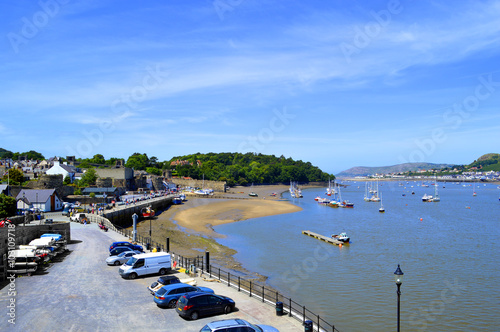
(189, 226)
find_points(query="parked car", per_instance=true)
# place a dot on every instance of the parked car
(195, 305)
(122, 257)
(66, 210)
(125, 244)
(236, 325)
(118, 250)
(167, 296)
(78, 217)
(163, 281)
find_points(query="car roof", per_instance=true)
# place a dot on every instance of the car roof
(165, 278)
(227, 323)
(196, 294)
(174, 286)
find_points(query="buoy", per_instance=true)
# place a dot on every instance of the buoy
(421, 219)
(340, 245)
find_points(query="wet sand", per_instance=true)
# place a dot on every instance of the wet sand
(189, 225)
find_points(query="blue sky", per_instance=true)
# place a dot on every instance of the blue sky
(336, 83)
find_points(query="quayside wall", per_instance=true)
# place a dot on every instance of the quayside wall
(122, 217)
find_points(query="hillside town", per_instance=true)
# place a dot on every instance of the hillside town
(48, 183)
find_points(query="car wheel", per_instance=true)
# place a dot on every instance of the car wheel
(117, 263)
(172, 303)
(163, 271)
(227, 309)
(133, 276)
(194, 315)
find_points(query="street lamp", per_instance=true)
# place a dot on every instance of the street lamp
(398, 277)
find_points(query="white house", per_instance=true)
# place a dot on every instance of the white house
(42, 199)
(59, 168)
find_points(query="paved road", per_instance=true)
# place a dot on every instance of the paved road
(82, 293)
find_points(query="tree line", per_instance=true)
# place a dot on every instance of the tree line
(232, 167)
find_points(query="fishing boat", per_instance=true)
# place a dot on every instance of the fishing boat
(177, 200)
(147, 212)
(341, 237)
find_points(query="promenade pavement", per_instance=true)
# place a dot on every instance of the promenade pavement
(80, 292)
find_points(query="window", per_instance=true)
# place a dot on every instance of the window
(139, 263)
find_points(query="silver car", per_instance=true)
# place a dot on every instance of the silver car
(229, 325)
(121, 258)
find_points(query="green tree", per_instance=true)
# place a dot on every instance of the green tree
(14, 176)
(92, 195)
(77, 191)
(88, 178)
(7, 206)
(137, 161)
(67, 180)
(153, 170)
(85, 164)
(98, 159)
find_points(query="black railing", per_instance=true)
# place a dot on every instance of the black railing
(259, 291)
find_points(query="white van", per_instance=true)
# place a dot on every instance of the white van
(142, 264)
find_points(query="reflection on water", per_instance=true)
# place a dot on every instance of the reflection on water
(447, 250)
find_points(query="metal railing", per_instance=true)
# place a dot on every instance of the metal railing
(257, 290)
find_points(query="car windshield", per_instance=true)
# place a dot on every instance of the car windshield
(131, 261)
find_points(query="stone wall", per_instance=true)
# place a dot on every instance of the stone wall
(219, 186)
(124, 173)
(104, 182)
(47, 181)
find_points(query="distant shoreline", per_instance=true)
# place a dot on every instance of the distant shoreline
(414, 179)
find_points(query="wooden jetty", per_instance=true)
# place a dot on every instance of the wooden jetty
(324, 238)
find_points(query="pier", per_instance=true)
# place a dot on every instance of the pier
(324, 238)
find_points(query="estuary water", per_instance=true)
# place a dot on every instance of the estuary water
(449, 252)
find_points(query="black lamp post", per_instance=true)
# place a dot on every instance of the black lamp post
(398, 276)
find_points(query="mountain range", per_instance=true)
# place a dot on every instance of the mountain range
(487, 162)
(365, 171)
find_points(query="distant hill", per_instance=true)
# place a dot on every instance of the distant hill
(487, 162)
(365, 171)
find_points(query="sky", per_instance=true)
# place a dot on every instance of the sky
(336, 83)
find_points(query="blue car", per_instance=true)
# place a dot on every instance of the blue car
(125, 244)
(167, 296)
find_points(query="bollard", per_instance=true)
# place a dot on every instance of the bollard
(279, 308)
(308, 326)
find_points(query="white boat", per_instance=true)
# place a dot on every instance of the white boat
(341, 237)
(25, 261)
(436, 197)
(381, 210)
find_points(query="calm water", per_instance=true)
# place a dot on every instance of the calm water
(450, 258)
